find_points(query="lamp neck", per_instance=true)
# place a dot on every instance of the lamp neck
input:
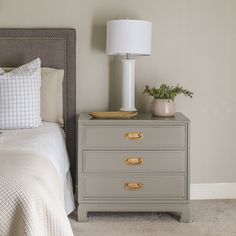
(128, 56)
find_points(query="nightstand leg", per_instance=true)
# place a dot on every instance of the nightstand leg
(185, 216)
(82, 214)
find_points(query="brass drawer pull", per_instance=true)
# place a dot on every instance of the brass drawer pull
(134, 135)
(134, 161)
(133, 186)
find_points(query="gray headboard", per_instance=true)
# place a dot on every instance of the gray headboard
(56, 48)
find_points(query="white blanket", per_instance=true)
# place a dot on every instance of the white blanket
(31, 198)
(47, 140)
(33, 174)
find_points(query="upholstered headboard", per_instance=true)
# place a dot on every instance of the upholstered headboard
(56, 48)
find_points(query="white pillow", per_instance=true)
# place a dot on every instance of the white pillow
(20, 97)
(51, 93)
(2, 71)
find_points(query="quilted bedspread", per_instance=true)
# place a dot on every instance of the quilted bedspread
(31, 196)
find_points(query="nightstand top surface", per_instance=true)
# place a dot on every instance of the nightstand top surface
(147, 117)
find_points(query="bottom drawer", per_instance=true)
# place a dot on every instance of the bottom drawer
(158, 186)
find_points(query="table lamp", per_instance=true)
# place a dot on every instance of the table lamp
(128, 38)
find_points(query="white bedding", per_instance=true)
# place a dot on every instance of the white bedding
(37, 161)
(48, 140)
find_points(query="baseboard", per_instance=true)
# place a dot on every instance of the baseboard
(213, 191)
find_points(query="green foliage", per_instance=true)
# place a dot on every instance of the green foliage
(167, 92)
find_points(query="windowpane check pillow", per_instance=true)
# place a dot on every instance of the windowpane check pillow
(20, 96)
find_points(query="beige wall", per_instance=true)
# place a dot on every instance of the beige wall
(193, 44)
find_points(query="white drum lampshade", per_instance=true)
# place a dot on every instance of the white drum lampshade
(127, 38)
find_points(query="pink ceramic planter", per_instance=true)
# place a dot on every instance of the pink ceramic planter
(163, 107)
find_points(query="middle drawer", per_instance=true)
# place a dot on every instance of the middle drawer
(133, 161)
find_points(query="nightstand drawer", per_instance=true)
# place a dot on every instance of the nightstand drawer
(155, 186)
(133, 161)
(134, 137)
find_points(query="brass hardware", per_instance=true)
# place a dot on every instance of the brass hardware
(133, 186)
(134, 135)
(134, 161)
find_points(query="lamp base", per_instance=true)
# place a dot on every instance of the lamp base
(128, 85)
(128, 109)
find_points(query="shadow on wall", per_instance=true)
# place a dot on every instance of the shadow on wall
(98, 39)
(115, 73)
(98, 42)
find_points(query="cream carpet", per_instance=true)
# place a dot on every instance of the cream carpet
(209, 218)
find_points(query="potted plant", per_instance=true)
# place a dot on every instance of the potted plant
(164, 96)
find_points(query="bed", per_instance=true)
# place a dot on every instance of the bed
(36, 165)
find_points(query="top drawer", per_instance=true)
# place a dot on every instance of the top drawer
(134, 137)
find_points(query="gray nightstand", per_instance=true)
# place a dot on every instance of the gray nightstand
(138, 164)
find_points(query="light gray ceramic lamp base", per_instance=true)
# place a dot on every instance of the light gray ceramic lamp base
(148, 154)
